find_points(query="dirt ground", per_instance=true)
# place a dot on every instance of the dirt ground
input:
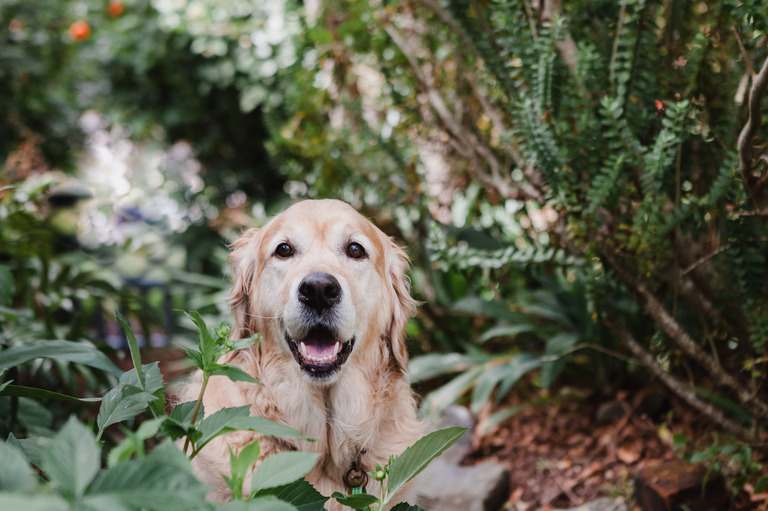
(574, 450)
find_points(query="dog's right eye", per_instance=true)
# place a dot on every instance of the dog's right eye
(284, 250)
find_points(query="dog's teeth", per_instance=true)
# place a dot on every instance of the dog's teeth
(311, 358)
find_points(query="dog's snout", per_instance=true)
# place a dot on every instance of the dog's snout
(319, 291)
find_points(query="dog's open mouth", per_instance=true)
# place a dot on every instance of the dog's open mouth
(319, 352)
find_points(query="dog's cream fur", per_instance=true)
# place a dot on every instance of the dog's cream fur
(368, 404)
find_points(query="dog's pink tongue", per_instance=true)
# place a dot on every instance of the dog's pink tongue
(320, 350)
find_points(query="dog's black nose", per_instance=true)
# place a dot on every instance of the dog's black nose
(319, 291)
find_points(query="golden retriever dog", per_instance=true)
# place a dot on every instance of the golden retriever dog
(327, 291)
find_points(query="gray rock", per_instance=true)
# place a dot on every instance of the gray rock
(602, 504)
(447, 486)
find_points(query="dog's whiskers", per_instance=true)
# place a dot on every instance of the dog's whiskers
(262, 317)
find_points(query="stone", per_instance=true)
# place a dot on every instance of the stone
(602, 504)
(448, 486)
(676, 484)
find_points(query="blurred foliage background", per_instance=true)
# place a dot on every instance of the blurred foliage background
(581, 184)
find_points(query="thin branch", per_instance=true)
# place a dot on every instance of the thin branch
(743, 50)
(684, 392)
(464, 136)
(703, 259)
(681, 339)
(745, 146)
(587, 346)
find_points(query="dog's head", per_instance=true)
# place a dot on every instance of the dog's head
(320, 282)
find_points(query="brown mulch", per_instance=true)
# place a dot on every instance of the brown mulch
(574, 450)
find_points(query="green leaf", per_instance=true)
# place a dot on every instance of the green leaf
(234, 373)
(239, 465)
(246, 342)
(761, 485)
(507, 331)
(436, 364)
(357, 501)
(15, 473)
(415, 458)
(507, 373)
(217, 424)
(265, 426)
(32, 448)
(182, 412)
(7, 285)
(73, 458)
(133, 345)
(126, 399)
(227, 420)
(59, 350)
(282, 468)
(246, 458)
(196, 357)
(300, 494)
(269, 503)
(162, 480)
(34, 393)
(443, 397)
(206, 343)
(557, 344)
(134, 442)
(33, 502)
(403, 506)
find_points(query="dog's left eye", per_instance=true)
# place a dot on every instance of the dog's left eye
(355, 250)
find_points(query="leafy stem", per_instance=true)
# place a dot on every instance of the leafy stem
(196, 411)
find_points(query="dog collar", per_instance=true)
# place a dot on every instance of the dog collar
(356, 477)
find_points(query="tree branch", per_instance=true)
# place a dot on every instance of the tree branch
(566, 46)
(754, 186)
(681, 338)
(686, 393)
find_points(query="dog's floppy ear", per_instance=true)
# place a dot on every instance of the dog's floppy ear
(243, 260)
(403, 305)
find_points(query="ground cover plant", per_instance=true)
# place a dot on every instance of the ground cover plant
(64, 471)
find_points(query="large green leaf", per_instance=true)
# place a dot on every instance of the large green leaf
(415, 458)
(443, 397)
(436, 364)
(300, 494)
(281, 469)
(60, 350)
(35, 393)
(126, 399)
(227, 420)
(162, 480)
(73, 458)
(32, 448)
(15, 473)
(17, 501)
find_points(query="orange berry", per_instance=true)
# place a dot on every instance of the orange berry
(80, 30)
(116, 8)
